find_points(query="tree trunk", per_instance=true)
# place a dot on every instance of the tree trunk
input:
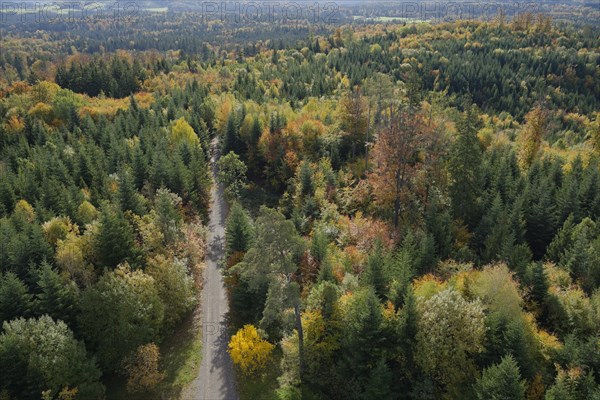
(367, 139)
(396, 211)
(300, 341)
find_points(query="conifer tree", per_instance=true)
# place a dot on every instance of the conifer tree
(318, 246)
(374, 275)
(561, 241)
(379, 385)
(238, 230)
(15, 299)
(57, 297)
(114, 242)
(464, 168)
(501, 382)
(538, 282)
(306, 180)
(129, 199)
(231, 141)
(361, 343)
(140, 168)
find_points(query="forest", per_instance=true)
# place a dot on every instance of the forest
(413, 208)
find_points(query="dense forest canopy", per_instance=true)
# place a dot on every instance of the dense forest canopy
(414, 207)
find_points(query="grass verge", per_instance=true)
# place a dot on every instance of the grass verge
(181, 353)
(261, 386)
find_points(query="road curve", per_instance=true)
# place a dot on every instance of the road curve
(215, 381)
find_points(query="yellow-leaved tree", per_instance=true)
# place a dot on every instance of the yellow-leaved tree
(530, 138)
(248, 350)
(143, 372)
(182, 132)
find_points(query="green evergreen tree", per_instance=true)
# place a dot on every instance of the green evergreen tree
(115, 241)
(582, 258)
(15, 299)
(464, 169)
(168, 216)
(58, 297)
(272, 262)
(140, 168)
(538, 282)
(306, 180)
(501, 382)
(231, 141)
(129, 199)
(561, 241)
(374, 275)
(361, 343)
(238, 230)
(318, 246)
(379, 384)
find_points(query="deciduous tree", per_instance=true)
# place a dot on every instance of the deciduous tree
(249, 351)
(38, 355)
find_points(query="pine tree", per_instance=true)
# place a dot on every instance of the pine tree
(538, 283)
(15, 299)
(129, 199)
(501, 382)
(114, 242)
(374, 275)
(318, 246)
(361, 343)
(272, 262)
(379, 384)
(231, 142)
(168, 216)
(540, 216)
(140, 168)
(562, 241)
(238, 230)
(57, 297)
(464, 168)
(407, 328)
(306, 180)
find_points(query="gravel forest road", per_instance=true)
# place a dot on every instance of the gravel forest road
(215, 380)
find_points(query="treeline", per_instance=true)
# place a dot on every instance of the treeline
(115, 78)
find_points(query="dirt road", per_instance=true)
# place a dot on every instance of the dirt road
(215, 380)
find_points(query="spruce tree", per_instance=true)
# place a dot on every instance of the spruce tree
(231, 142)
(464, 168)
(318, 246)
(374, 275)
(129, 199)
(140, 168)
(115, 241)
(238, 230)
(562, 240)
(15, 299)
(306, 180)
(57, 297)
(501, 382)
(379, 384)
(361, 344)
